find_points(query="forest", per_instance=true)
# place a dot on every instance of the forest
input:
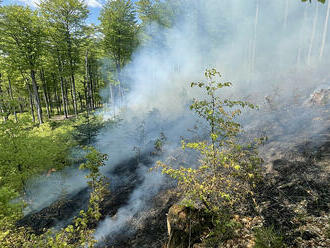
(164, 123)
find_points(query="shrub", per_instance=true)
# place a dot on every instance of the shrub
(228, 169)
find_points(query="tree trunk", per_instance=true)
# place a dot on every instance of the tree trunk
(12, 98)
(36, 96)
(2, 104)
(310, 49)
(65, 110)
(111, 99)
(88, 98)
(71, 93)
(325, 31)
(119, 85)
(58, 102)
(256, 21)
(72, 71)
(91, 79)
(66, 96)
(44, 87)
(301, 36)
(57, 99)
(74, 95)
(81, 102)
(31, 102)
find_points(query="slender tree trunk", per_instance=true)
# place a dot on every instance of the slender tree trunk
(57, 99)
(96, 87)
(81, 102)
(65, 110)
(85, 93)
(58, 103)
(72, 72)
(112, 102)
(88, 98)
(325, 31)
(71, 93)
(2, 104)
(119, 85)
(12, 98)
(44, 87)
(20, 105)
(36, 96)
(301, 37)
(50, 100)
(91, 87)
(67, 103)
(91, 93)
(74, 95)
(31, 102)
(310, 49)
(256, 21)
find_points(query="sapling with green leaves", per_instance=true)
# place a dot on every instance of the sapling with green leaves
(227, 169)
(80, 233)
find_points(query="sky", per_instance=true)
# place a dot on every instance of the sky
(94, 7)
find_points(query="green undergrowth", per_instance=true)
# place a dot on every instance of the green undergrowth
(28, 150)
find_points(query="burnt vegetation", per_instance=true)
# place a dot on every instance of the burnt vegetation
(104, 144)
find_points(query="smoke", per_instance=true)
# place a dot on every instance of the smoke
(269, 50)
(266, 48)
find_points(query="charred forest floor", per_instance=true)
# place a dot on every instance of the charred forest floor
(293, 199)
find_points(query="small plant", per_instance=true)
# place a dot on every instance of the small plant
(159, 143)
(228, 169)
(266, 237)
(224, 229)
(80, 234)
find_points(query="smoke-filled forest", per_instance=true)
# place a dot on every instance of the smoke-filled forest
(164, 123)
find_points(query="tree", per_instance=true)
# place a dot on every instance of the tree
(118, 25)
(22, 40)
(321, 1)
(156, 11)
(66, 19)
(228, 169)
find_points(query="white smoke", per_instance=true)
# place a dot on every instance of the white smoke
(258, 45)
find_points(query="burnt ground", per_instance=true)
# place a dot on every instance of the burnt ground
(297, 187)
(293, 198)
(63, 210)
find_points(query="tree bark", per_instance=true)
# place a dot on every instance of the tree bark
(12, 98)
(66, 96)
(31, 102)
(57, 98)
(81, 102)
(72, 72)
(325, 31)
(44, 87)
(88, 98)
(2, 104)
(36, 96)
(313, 35)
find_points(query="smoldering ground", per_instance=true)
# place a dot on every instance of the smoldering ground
(274, 52)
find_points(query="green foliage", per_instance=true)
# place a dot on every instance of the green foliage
(266, 237)
(156, 11)
(228, 170)
(159, 143)
(118, 24)
(86, 128)
(224, 229)
(26, 151)
(78, 234)
(21, 35)
(321, 1)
